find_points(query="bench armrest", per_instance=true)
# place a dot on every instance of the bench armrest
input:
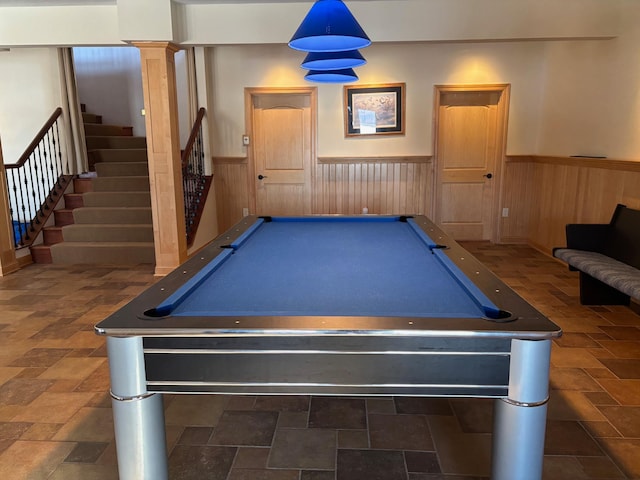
(587, 236)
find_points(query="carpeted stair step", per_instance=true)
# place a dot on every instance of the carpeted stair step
(119, 155)
(117, 199)
(63, 216)
(99, 129)
(121, 169)
(41, 253)
(121, 184)
(117, 215)
(94, 142)
(91, 118)
(82, 185)
(108, 233)
(119, 253)
(52, 234)
(73, 200)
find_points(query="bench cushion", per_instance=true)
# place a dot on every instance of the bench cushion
(620, 276)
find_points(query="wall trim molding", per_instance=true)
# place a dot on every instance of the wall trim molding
(589, 162)
(376, 159)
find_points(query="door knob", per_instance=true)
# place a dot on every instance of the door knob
(260, 177)
(488, 175)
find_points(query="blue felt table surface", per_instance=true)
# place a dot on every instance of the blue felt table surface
(350, 268)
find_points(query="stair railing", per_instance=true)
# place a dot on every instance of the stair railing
(36, 181)
(193, 177)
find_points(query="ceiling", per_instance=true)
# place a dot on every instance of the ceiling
(43, 3)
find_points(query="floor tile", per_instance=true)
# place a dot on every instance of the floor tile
(343, 413)
(293, 419)
(195, 436)
(88, 425)
(22, 391)
(600, 429)
(53, 407)
(353, 439)
(569, 438)
(600, 467)
(288, 403)
(622, 333)
(381, 405)
(623, 368)
(245, 428)
(460, 453)
(308, 449)
(317, 475)
(370, 465)
(625, 452)
(75, 471)
(475, 415)
(625, 419)
(254, 474)
(191, 462)
(625, 392)
(40, 357)
(563, 468)
(27, 460)
(44, 357)
(399, 432)
(251, 457)
(195, 410)
(422, 462)
(573, 379)
(86, 452)
(423, 405)
(571, 405)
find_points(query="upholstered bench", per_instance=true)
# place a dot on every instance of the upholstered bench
(607, 256)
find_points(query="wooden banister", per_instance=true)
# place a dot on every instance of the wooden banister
(192, 138)
(36, 140)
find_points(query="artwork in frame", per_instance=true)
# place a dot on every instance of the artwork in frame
(374, 109)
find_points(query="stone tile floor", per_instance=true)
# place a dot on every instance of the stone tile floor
(55, 414)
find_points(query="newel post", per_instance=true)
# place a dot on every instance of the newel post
(8, 261)
(163, 147)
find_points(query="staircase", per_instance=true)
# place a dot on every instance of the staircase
(108, 217)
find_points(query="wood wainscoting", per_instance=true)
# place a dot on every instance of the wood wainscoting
(231, 184)
(544, 193)
(341, 185)
(384, 185)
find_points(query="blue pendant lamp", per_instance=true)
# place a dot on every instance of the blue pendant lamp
(332, 76)
(333, 60)
(329, 27)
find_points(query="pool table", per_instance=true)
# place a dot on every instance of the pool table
(331, 305)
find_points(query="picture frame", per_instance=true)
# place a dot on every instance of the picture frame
(374, 109)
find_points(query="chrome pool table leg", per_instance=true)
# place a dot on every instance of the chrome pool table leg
(520, 419)
(138, 416)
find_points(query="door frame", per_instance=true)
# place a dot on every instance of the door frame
(504, 89)
(249, 94)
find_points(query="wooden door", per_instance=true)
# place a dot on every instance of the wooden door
(283, 148)
(469, 149)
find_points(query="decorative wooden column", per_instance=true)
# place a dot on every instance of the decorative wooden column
(8, 261)
(163, 147)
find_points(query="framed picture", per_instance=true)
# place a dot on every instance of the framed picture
(374, 109)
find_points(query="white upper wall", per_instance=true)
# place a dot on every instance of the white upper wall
(274, 22)
(29, 93)
(569, 97)
(592, 95)
(419, 66)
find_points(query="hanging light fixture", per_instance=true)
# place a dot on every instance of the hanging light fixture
(333, 60)
(346, 75)
(329, 27)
